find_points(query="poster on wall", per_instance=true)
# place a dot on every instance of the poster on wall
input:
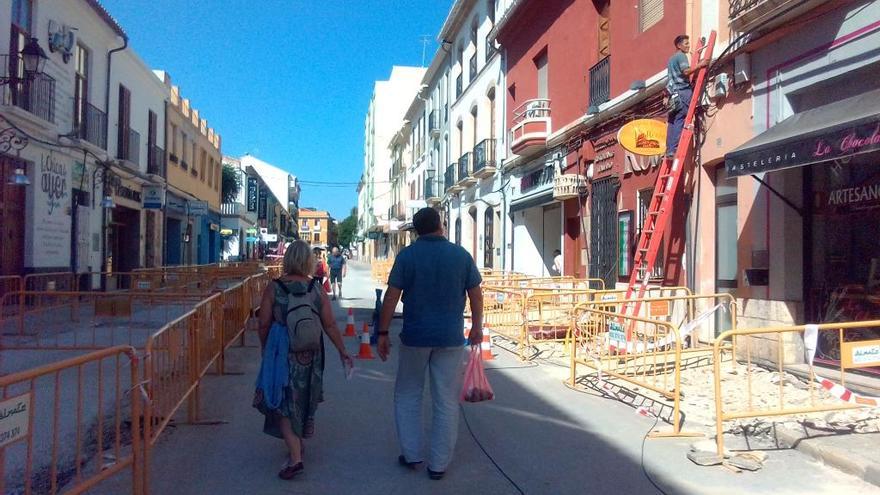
(52, 220)
(624, 232)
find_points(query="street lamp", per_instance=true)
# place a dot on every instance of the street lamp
(34, 61)
(19, 178)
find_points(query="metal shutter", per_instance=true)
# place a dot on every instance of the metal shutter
(650, 13)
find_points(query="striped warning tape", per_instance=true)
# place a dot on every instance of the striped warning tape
(846, 394)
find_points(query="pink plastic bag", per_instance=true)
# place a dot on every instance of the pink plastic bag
(476, 387)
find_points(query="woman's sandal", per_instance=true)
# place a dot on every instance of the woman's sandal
(289, 472)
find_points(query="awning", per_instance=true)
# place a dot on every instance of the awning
(844, 128)
(537, 200)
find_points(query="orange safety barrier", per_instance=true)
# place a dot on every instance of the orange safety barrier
(72, 424)
(770, 351)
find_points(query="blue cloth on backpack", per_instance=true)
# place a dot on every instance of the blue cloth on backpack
(275, 368)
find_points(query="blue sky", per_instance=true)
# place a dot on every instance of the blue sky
(288, 81)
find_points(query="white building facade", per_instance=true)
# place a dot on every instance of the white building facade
(388, 105)
(473, 140)
(55, 130)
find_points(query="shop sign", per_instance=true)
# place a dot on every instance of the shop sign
(261, 207)
(837, 142)
(646, 137)
(15, 415)
(860, 354)
(173, 204)
(845, 199)
(270, 238)
(538, 178)
(197, 208)
(128, 193)
(52, 220)
(154, 197)
(633, 163)
(603, 162)
(252, 194)
(214, 227)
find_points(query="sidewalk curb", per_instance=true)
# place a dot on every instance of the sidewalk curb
(840, 459)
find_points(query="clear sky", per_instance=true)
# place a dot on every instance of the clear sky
(288, 81)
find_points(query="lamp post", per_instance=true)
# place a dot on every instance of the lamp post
(34, 59)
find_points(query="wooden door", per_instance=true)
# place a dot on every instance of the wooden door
(12, 211)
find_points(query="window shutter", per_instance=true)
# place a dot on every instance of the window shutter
(650, 13)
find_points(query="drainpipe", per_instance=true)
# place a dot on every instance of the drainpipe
(107, 143)
(165, 176)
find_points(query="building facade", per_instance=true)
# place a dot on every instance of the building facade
(317, 227)
(275, 194)
(388, 105)
(194, 180)
(85, 133)
(238, 219)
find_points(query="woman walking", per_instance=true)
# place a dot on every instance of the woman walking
(294, 419)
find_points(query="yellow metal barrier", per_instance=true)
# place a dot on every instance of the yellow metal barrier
(651, 359)
(772, 347)
(73, 424)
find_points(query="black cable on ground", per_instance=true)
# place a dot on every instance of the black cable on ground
(488, 456)
(642, 460)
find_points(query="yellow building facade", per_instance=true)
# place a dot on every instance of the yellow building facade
(194, 184)
(315, 226)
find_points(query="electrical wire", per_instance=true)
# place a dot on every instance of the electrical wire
(642, 461)
(488, 456)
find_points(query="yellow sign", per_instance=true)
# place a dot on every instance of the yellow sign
(643, 137)
(861, 354)
(658, 308)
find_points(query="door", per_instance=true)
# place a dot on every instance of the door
(489, 239)
(473, 215)
(12, 204)
(603, 231)
(725, 241)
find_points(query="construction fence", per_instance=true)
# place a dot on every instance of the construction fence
(71, 424)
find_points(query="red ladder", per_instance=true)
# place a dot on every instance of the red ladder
(659, 212)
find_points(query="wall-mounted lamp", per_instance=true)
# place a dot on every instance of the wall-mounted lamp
(34, 61)
(638, 85)
(19, 178)
(107, 203)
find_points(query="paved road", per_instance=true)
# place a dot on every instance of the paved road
(547, 438)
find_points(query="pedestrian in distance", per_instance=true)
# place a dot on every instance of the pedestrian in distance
(678, 85)
(433, 276)
(557, 262)
(338, 271)
(294, 419)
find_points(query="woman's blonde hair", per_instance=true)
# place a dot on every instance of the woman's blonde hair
(298, 259)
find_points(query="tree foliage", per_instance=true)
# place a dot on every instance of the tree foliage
(348, 229)
(230, 185)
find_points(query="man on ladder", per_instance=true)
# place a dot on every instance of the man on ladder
(680, 90)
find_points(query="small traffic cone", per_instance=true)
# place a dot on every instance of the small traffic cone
(486, 346)
(365, 352)
(349, 326)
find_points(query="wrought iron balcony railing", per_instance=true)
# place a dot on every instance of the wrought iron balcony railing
(36, 95)
(484, 155)
(600, 82)
(459, 85)
(89, 123)
(465, 167)
(156, 161)
(449, 176)
(129, 145)
(472, 65)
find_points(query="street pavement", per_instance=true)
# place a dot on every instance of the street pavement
(547, 438)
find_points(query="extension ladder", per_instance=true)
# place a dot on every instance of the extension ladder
(656, 221)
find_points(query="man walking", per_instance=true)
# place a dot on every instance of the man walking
(679, 72)
(433, 275)
(338, 271)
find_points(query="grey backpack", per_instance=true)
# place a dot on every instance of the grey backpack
(303, 321)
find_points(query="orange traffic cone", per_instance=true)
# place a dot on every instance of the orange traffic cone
(349, 327)
(486, 346)
(365, 352)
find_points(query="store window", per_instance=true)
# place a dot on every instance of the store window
(843, 279)
(726, 268)
(644, 202)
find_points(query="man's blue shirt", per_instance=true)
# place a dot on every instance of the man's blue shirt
(336, 262)
(678, 63)
(434, 275)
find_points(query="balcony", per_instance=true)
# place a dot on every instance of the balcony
(600, 83)
(434, 123)
(465, 170)
(449, 179)
(484, 159)
(432, 190)
(89, 123)
(156, 161)
(400, 211)
(232, 210)
(746, 15)
(490, 48)
(472, 68)
(531, 126)
(129, 145)
(459, 86)
(36, 96)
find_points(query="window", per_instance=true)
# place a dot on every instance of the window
(194, 156)
(184, 149)
(541, 66)
(217, 170)
(458, 231)
(123, 146)
(317, 223)
(80, 87)
(153, 163)
(202, 164)
(650, 13)
(174, 140)
(317, 238)
(644, 202)
(475, 126)
(210, 172)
